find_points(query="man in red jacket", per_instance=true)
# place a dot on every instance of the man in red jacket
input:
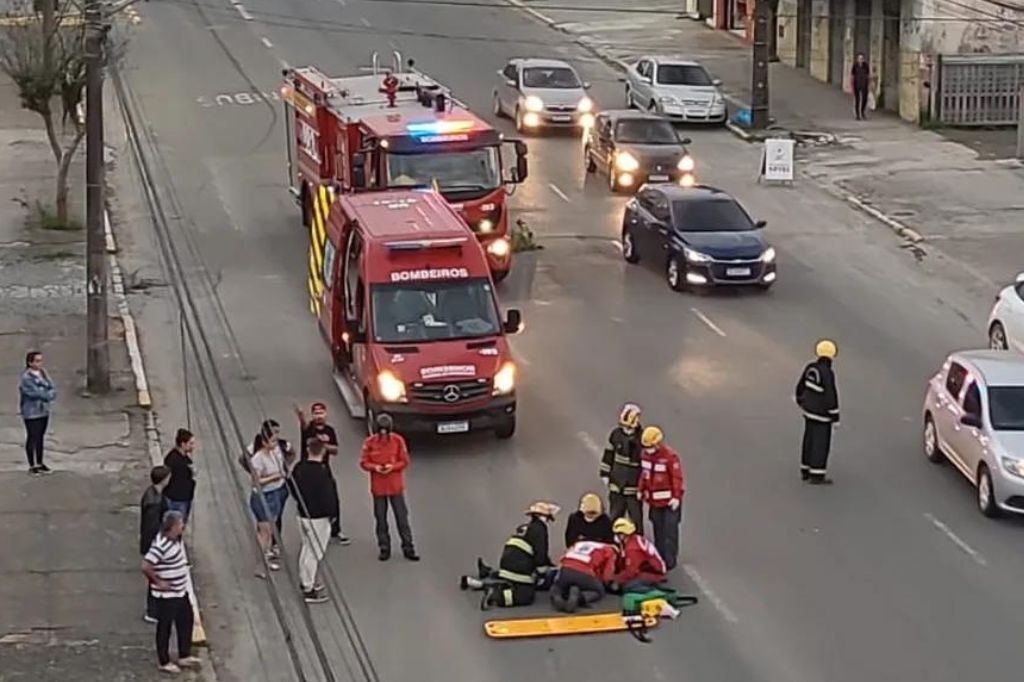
(385, 457)
(661, 487)
(583, 572)
(641, 568)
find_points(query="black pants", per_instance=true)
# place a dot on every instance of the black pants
(665, 523)
(151, 603)
(335, 505)
(35, 434)
(620, 505)
(509, 594)
(816, 446)
(380, 515)
(860, 101)
(591, 589)
(176, 611)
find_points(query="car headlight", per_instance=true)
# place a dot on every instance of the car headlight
(696, 256)
(667, 100)
(686, 164)
(768, 256)
(1013, 466)
(534, 104)
(499, 247)
(585, 106)
(505, 379)
(625, 161)
(391, 388)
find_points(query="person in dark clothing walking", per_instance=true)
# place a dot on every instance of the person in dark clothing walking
(589, 522)
(318, 428)
(182, 489)
(385, 457)
(313, 492)
(860, 82)
(151, 513)
(36, 393)
(620, 466)
(817, 396)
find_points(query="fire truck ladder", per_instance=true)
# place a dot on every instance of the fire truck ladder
(413, 85)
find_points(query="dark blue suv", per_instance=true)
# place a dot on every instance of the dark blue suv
(698, 236)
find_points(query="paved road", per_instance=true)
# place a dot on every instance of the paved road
(891, 574)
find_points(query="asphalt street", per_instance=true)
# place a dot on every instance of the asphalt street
(891, 574)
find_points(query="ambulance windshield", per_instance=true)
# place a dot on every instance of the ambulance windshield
(475, 169)
(415, 312)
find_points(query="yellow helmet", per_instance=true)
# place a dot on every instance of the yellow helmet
(652, 437)
(629, 417)
(826, 349)
(624, 526)
(591, 504)
(543, 509)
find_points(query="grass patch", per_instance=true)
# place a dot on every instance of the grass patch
(43, 218)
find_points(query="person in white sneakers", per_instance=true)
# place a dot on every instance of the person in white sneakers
(166, 567)
(314, 490)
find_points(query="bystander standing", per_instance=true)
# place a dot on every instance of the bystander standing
(319, 429)
(313, 490)
(385, 457)
(269, 492)
(36, 392)
(182, 489)
(152, 508)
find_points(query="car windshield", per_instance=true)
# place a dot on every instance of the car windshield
(434, 311)
(554, 77)
(472, 169)
(645, 131)
(1006, 408)
(715, 215)
(683, 74)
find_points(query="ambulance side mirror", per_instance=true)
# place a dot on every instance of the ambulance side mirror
(358, 171)
(513, 321)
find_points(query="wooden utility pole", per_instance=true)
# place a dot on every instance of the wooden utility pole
(98, 353)
(759, 87)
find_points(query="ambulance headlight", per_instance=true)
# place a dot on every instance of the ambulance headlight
(686, 164)
(485, 225)
(534, 104)
(505, 379)
(499, 248)
(391, 388)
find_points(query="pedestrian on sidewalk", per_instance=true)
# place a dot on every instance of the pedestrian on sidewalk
(860, 82)
(166, 567)
(817, 396)
(269, 492)
(182, 489)
(385, 457)
(152, 508)
(37, 392)
(314, 496)
(319, 428)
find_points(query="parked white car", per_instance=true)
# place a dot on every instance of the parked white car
(676, 88)
(1006, 322)
(974, 417)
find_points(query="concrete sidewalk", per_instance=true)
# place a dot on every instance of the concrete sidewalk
(953, 203)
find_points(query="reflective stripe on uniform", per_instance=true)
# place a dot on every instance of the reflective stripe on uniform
(542, 570)
(624, 461)
(514, 577)
(661, 495)
(817, 472)
(520, 543)
(507, 595)
(645, 464)
(661, 467)
(816, 417)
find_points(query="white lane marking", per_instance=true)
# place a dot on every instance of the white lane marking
(616, 319)
(560, 193)
(956, 540)
(708, 321)
(364, 21)
(538, 301)
(589, 442)
(242, 11)
(266, 42)
(712, 596)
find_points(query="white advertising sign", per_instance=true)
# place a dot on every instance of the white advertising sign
(777, 160)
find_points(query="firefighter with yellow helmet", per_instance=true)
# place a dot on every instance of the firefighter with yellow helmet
(817, 396)
(620, 466)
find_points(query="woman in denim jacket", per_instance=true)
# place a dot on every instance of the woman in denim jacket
(37, 392)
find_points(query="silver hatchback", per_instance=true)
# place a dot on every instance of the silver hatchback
(676, 88)
(974, 417)
(542, 93)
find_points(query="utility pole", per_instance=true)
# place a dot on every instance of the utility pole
(759, 90)
(98, 354)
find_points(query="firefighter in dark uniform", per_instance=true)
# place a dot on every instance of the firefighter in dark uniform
(817, 397)
(620, 466)
(525, 566)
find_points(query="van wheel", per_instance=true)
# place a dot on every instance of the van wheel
(505, 429)
(986, 493)
(931, 441)
(371, 416)
(674, 274)
(500, 275)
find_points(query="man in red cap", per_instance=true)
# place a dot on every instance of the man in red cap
(318, 429)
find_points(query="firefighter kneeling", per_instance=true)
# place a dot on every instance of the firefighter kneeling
(525, 566)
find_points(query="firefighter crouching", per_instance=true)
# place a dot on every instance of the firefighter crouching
(620, 466)
(583, 573)
(641, 568)
(817, 396)
(524, 567)
(662, 485)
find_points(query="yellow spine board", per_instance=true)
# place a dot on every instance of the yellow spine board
(555, 626)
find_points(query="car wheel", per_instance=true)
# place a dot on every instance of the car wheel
(520, 126)
(674, 273)
(629, 247)
(505, 429)
(931, 441)
(986, 493)
(614, 188)
(997, 337)
(497, 107)
(588, 160)
(652, 107)
(629, 99)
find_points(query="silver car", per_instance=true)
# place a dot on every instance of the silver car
(542, 93)
(974, 417)
(679, 89)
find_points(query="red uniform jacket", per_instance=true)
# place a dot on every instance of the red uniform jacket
(661, 478)
(377, 451)
(640, 561)
(593, 558)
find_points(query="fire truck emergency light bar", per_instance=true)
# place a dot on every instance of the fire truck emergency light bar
(439, 127)
(421, 244)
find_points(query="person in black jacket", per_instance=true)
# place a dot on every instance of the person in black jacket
(314, 492)
(817, 396)
(589, 522)
(182, 489)
(620, 466)
(151, 515)
(525, 566)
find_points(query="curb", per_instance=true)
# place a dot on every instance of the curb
(909, 234)
(131, 336)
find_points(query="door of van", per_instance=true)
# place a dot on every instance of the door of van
(352, 313)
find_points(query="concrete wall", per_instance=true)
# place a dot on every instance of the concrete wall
(1001, 33)
(819, 40)
(875, 57)
(788, 27)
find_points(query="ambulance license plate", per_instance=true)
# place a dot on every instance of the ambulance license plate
(658, 178)
(453, 427)
(737, 272)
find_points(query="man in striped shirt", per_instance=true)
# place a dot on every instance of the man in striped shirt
(166, 567)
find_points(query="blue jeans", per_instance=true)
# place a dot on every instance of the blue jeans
(184, 508)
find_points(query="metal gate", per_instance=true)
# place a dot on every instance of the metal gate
(979, 90)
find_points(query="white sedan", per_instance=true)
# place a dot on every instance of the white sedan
(1006, 322)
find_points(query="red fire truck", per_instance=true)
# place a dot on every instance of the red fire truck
(399, 128)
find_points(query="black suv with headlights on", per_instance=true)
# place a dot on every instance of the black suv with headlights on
(634, 147)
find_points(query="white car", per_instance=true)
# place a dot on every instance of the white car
(1006, 322)
(676, 88)
(542, 93)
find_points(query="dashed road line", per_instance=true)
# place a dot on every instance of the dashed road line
(708, 321)
(712, 596)
(242, 11)
(589, 443)
(365, 22)
(562, 195)
(266, 42)
(956, 540)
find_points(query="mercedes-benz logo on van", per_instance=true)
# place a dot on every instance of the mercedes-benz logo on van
(451, 393)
